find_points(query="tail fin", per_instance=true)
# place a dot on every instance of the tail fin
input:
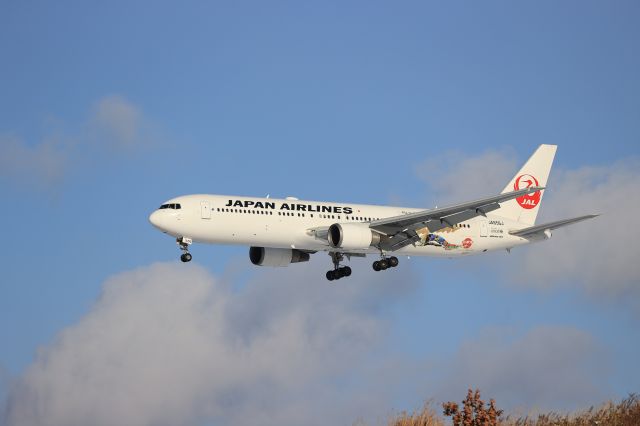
(534, 173)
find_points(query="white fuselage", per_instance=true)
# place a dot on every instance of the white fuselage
(289, 223)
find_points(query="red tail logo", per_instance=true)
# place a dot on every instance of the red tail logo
(528, 201)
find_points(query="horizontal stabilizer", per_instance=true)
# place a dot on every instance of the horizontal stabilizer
(532, 230)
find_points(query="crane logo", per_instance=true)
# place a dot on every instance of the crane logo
(529, 201)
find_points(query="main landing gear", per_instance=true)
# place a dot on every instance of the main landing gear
(338, 271)
(183, 243)
(385, 262)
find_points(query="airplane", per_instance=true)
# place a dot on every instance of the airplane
(285, 231)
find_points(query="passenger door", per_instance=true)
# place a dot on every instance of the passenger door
(205, 210)
(484, 229)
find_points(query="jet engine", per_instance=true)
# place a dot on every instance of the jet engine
(352, 236)
(267, 256)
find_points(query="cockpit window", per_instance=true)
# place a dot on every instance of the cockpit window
(175, 206)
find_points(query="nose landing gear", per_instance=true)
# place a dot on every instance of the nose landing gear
(338, 271)
(183, 243)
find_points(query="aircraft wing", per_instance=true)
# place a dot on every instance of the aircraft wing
(401, 230)
(532, 230)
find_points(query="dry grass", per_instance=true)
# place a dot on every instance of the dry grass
(624, 413)
(425, 417)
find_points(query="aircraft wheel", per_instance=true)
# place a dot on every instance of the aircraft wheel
(376, 266)
(383, 264)
(393, 261)
(346, 271)
(330, 276)
(186, 257)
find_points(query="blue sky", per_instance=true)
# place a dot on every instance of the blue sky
(108, 110)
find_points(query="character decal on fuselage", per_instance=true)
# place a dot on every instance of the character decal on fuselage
(428, 238)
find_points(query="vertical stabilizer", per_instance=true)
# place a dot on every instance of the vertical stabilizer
(535, 172)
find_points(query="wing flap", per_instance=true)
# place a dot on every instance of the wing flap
(437, 224)
(399, 240)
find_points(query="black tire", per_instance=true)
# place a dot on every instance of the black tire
(330, 276)
(384, 264)
(393, 261)
(376, 266)
(346, 271)
(185, 257)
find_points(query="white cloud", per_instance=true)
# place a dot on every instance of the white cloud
(547, 368)
(455, 176)
(41, 165)
(114, 125)
(170, 344)
(599, 256)
(118, 123)
(4, 387)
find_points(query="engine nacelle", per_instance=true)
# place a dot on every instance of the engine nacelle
(268, 256)
(352, 236)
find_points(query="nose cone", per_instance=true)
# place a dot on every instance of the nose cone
(155, 219)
